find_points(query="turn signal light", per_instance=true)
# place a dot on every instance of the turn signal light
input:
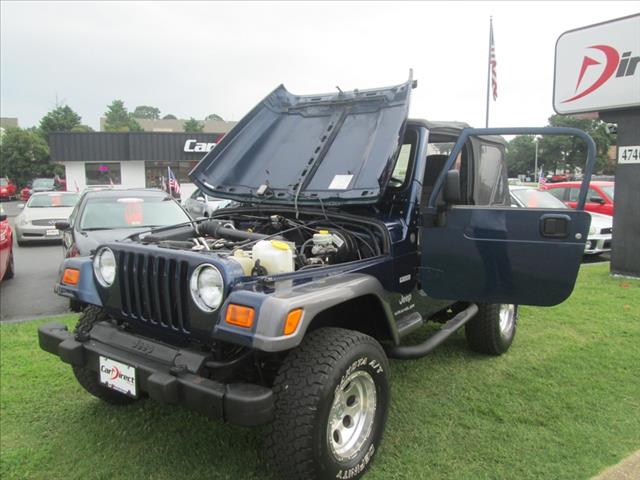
(240, 316)
(292, 321)
(70, 276)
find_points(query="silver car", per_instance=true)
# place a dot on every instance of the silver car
(37, 221)
(202, 205)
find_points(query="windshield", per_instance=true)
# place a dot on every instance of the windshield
(609, 191)
(532, 198)
(53, 200)
(43, 183)
(131, 212)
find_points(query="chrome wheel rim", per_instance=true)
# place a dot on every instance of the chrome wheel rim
(351, 415)
(507, 319)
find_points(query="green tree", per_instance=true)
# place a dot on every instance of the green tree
(60, 119)
(521, 152)
(118, 119)
(82, 128)
(193, 126)
(214, 116)
(560, 151)
(169, 116)
(146, 111)
(24, 155)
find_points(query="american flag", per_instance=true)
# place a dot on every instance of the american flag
(493, 63)
(173, 182)
(542, 180)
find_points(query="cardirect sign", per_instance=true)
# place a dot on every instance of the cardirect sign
(598, 67)
(193, 146)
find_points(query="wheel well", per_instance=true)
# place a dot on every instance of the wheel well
(364, 314)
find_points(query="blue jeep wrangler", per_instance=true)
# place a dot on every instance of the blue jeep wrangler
(355, 227)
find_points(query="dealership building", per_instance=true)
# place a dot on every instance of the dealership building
(129, 159)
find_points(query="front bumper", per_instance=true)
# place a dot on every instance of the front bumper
(597, 244)
(37, 233)
(167, 374)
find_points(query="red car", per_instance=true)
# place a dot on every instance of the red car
(6, 248)
(7, 189)
(599, 197)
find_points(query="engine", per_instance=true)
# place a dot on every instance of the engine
(275, 243)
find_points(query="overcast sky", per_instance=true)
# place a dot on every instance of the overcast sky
(192, 59)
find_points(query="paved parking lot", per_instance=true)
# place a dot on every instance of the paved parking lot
(30, 293)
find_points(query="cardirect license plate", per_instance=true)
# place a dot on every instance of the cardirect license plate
(118, 376)
(52, 233)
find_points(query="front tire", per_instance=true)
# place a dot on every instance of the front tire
(331, 404)
(87, 378)
(493, 328)
(10, 271)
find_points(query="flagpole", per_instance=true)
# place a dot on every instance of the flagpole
(486, 121)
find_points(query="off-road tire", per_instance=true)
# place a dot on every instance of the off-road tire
(484, 333)
(10, 271)
(86, 377)
(298, 444)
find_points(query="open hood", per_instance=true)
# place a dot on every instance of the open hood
(339, 148)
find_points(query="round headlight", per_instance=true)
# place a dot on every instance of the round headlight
(104, 266)
(207, 287)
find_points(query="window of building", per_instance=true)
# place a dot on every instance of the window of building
(156, 172)
(103, 173)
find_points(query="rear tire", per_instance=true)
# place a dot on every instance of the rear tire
(493, 328)
(87, 378)
(331, 404)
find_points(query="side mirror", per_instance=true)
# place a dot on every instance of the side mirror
(20, 205)
(451, 193)
(62, 225)
(3, 217)
(598, 200)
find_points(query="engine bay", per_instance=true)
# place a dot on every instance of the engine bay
(276, 243)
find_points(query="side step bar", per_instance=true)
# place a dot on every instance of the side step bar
(410, 352)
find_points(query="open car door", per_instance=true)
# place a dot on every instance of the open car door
(494, 253)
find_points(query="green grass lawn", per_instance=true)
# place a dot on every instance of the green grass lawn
(564, 402)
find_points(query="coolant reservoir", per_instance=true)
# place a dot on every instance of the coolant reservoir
(275, 256)
(245, 261)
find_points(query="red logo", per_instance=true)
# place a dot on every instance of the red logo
(115, 373)
(612, 58)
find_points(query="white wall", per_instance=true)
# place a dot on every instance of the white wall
(75, 176)
(132, 174)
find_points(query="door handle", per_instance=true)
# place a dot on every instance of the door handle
(554, 225)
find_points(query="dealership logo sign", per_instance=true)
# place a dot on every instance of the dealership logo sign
(622, 66)
(193, 146)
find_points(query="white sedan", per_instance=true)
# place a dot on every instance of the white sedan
(37, 221)
(600, 232)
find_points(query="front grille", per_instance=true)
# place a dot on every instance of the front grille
(154, 290)
(606, 231)
(45, 222)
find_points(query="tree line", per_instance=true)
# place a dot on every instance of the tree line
(561, 152)
(24, 152)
